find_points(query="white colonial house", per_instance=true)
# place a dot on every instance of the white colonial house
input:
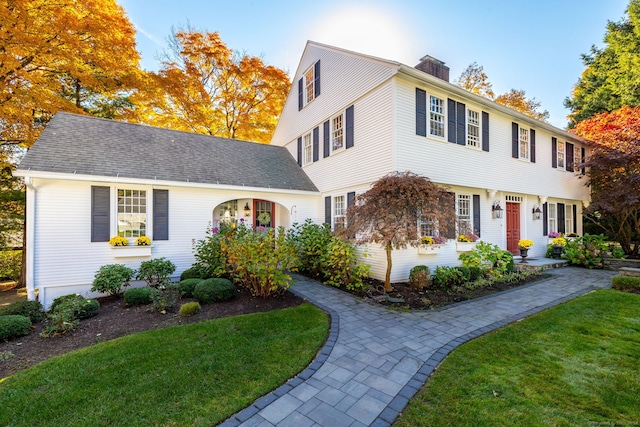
(349, 120)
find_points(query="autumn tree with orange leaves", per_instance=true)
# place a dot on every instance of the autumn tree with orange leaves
(205, 87)
(613, 170)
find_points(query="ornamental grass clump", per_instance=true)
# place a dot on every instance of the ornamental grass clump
(189, 309)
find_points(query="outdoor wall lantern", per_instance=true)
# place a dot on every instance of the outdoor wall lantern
(247, 210)
(496, 210)
(537, 213)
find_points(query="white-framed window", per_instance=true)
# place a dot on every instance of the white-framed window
(337, 132)
(464, 214)
(309, 85)
(339, 212)
(473, 128)
(132, 213)
(427, 227)
(553, 218)
(560, 155)
(577, 158)
(524, 143)
(227, 213)
(568, 218)
(436, 116)
(307, 149)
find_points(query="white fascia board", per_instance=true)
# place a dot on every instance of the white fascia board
(158, 183)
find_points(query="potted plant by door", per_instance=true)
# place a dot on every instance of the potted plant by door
(558, 246)
(524, 246)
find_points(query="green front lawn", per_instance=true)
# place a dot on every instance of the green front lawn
(575, 364)
(194, 375)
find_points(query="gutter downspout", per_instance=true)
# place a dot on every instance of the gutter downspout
(30, 240)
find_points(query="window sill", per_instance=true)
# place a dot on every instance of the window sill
(131, 251)
(465, 246)
(429, 249)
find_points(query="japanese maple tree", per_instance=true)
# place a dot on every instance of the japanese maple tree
(389, 212)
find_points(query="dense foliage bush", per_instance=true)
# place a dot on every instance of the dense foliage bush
(14, 326)
(419, 277)
(187, 286)
(210, 260)
(489, 258)
(137, 296)
(312, 242)
(215, 289)
(31, 309)
(259, 260)
(156, 272)
(112, 278)
(78, 307)
(189, 309)
(165, 297)
(60, 323)
(587, 251)
(10, 264)
(194, 272)
(447, 277)
(626, 283)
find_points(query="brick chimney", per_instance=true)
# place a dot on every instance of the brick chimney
(433, 66)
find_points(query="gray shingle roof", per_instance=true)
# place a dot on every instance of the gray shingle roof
(87, 145)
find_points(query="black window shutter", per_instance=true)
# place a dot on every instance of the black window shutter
(351, 199)
(326, 137)
(514, 140)
(300, 151)
(316, 79)
(421, 112)
(349, 127)
(560, 216)
(569, 156)
(575, 218)
(532, 146)
(485, 131)
(316, 143)
(554, 152)
(327, 210)
(100, 213)
(461, 125)
(449, 205)
(476, 214)
(300, 94)
(582, 160)
(545, 219)
(160, 214)
(451, 120)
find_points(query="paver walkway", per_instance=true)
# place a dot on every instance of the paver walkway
(376, 359)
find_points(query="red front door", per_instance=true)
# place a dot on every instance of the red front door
(263, 214)
(513, 227)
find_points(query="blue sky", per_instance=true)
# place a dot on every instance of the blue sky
(534, 45)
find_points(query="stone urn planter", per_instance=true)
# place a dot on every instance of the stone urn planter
(557, 251)
(524, 252)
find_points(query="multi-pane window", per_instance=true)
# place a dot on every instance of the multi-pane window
(463, 205)
(132, 213)
(553, 221)
(524, 143)
(473, 128)
(307, 149)
(427, 226)
(560, 152)
(568, 218)
(436, 116)
(339, 212)
(228, 213)
(309, 88)
(577, 158)
(337, 133)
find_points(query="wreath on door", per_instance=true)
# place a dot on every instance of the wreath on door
(264, 218)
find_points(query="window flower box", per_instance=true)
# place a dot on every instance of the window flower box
(465, 246)
(131, 251)
(429, 249)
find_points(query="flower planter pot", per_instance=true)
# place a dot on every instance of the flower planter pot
(557, 252)
(131, 251)
(429, 249)
(465, 246)
(524, 252)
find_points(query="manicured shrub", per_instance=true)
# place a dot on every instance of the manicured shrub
(10, 264)
(76, 305)
(31, 309)
(156, 272)
(626, 283)
(14, 326)
(195, 272)
(446, 277)
(189, 309)
(187, 286)
(216, 289)
(165, 297)
(112, 278)
(419, 277)
(137, 296)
